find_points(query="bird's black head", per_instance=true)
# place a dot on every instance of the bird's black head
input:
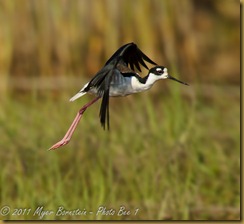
(160, 72)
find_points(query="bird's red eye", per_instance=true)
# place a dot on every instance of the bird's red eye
(159, 71)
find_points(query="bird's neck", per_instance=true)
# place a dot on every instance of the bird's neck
(145, 83)
(151, 79)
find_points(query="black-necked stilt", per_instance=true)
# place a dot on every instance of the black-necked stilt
(117, 78)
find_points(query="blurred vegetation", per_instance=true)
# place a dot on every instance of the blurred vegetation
(173, 152)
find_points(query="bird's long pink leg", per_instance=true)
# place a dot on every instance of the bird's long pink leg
(73, 126)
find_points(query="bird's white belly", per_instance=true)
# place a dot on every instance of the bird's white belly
(119, 91)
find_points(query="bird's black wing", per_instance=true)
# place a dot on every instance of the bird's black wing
(103, 90)
(128, 54)
(101, 81)
(97, 80)
(132, 56)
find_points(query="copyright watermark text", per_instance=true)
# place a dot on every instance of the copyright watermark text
(41, 212)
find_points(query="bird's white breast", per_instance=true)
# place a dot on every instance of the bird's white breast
(137, 86)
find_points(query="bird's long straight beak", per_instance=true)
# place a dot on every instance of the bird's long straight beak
(170, 77)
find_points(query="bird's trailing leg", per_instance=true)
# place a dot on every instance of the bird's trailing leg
(73, 126)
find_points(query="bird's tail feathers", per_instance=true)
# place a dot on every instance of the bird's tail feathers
(78, 95)
(82, 92)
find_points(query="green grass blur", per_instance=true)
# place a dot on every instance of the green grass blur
(172, 152)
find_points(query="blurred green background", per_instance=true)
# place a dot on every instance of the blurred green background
(172, 153)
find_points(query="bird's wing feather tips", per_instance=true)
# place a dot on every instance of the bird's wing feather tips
(104, 110)
(103, 90)
(132, 56)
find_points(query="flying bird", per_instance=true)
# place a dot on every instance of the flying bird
(117, 78)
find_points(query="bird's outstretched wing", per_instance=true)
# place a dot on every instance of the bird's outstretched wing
(132, 56)
(102, 82)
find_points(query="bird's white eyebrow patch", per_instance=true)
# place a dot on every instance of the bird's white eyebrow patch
(158, 69)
